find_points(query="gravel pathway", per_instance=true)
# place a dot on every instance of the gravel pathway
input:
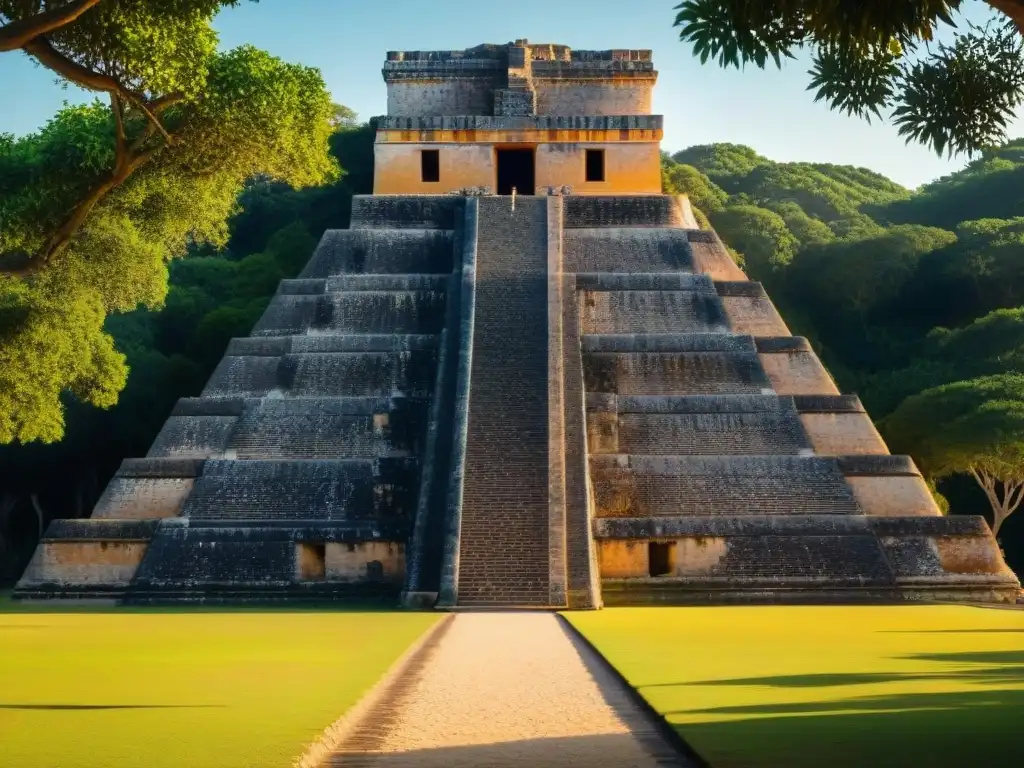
(505, 689)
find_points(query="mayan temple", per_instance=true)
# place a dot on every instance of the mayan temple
(523, 377)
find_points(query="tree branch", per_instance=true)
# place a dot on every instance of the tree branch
(44, 52)
(19, 33)
(1012, 9)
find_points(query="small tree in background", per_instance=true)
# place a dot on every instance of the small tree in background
(973, 427)
(879, 55)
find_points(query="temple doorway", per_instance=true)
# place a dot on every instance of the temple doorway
(516, 169)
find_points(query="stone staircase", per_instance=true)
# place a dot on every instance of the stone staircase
(581, 400)
(503, 557)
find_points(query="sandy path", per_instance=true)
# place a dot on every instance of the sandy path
(505, 689)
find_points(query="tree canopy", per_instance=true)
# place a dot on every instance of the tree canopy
(867, 57)
(95, 204)
(974, 427)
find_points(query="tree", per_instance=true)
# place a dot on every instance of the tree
(973, 427)
(874, 56)
(760, 235)
(139, 195)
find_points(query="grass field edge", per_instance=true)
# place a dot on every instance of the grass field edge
(665, 729)
(334, 735)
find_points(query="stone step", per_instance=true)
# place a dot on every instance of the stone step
(327, 429)
(405, 211)
(626, 251)
(674, 373)
(637, 311)
(382, 251)
(645, 281)
(698, 434)
(667, 486)
(505, 514)
(340, 374)
(356, 312)
(303, 428)
(355, 489)
(587, 211)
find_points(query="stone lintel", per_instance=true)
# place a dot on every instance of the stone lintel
(644, 281)
(667, 342)
(828, 404)
(952, 525)
(210, 406)
(521, 136)
(753, 525)
(877, 466)
(687, 404)
(162, 468)
(773, 345)
(520, 123)
(740, 288)
(100, 530)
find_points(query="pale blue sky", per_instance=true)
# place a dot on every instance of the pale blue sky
(347, 39)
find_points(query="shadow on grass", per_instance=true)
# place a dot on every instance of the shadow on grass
(934, 729)
(986, 666)
(93, 707)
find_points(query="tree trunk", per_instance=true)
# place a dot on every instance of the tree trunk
(20, 33)
(1004, 506)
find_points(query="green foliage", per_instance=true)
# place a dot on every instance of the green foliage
(872, 57)
(952, 428)
(679, 179)
(759, 234)
(258, 116)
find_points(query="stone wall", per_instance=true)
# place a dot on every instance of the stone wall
(593, 97)
(84, 563)
(429, 97)
(630, 167)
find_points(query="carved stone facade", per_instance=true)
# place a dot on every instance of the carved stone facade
(563, 400)
(524, 115)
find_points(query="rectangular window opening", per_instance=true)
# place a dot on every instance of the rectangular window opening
(312, 561)
(430, 165)
(595, 165)
(659, 557)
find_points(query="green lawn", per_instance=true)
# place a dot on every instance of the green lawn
(184, 689)
(796, 687)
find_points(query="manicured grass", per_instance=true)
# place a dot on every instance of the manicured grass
(183, 688)
(796, 687)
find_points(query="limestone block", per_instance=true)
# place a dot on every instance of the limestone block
(698, 556)
(596, 246)
(900, 496)
(193, 437)
(622, 558)
(754, 316)
(797, 373)
(143, 498)
(602, 433)
(84, 563)
(660, 311)
(598, 97)
(373, 561)
(711, 258)
(837, 434)
(969, 554)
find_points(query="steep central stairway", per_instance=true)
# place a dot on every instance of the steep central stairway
(503, 556)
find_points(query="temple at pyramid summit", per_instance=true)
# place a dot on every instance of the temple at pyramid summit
(523, 377)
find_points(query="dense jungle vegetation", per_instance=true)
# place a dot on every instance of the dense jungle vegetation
(899, 291)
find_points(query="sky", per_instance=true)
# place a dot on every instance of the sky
(769, 110)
